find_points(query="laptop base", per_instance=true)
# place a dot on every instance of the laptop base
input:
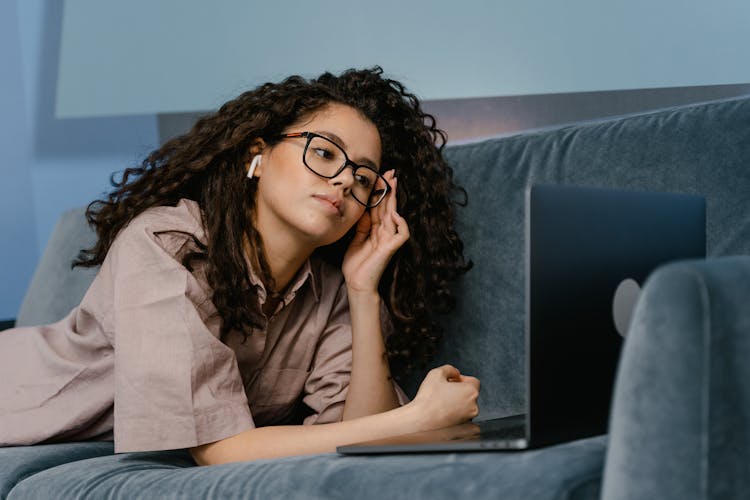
(499, 434)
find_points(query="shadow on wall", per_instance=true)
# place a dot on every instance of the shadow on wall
(466, 119)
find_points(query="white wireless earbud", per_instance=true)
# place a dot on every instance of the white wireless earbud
(253, 165)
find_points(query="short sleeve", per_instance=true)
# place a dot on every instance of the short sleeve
(176, 384)
(326, 386)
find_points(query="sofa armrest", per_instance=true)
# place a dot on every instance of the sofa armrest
(55, 287)
(7, 323)
(680, 424)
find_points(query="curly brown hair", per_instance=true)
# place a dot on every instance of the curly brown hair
(207, 163)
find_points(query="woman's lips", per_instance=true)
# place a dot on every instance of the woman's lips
(332, 203)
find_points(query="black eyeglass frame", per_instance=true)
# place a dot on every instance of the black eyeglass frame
(347, 163)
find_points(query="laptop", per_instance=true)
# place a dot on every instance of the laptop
(588, 252)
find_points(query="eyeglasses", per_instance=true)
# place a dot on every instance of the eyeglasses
(325, 158)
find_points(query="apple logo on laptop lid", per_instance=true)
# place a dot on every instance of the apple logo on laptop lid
(623, 304)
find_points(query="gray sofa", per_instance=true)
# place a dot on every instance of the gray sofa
(680, 423)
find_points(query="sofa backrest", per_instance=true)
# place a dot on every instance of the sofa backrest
(56, 287)
(703, 148)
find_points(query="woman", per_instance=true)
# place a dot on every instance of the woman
(250, 272)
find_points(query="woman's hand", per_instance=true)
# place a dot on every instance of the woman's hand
(380, 232)
(446, 398)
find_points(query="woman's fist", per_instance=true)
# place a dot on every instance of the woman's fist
(446, 398)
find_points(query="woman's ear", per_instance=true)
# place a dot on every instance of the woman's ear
(254, 165)
(255, 158)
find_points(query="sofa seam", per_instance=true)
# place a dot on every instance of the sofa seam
(706, 384)
(705, 392)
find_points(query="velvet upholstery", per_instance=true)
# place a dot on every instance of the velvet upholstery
(567, 472)
(43, 302)
(20, 462)
(681, 419)
(681, 371)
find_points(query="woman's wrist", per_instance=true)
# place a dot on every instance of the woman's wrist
(364, 307)
(414, 417)
(362, 296)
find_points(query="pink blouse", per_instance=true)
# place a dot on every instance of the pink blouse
(140, 360)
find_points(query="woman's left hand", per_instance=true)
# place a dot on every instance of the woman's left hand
(380, 232)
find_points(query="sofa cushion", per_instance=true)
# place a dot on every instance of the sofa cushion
(569, 471)
(22, 462)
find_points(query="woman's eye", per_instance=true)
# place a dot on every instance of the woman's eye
(323, 153)
(363, 181)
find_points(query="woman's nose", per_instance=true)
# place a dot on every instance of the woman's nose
(345, 178)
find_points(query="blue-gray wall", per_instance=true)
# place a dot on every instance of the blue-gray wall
(17, 220)
(193, 54)
(48, 165)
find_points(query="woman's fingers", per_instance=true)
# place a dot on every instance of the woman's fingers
(363, 229)
(388, 206)
(402, 228)
(376, 213)
(471, 380)
(382, 226)
(447, 371)
(391, 201)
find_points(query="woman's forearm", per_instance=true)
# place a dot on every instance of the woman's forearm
(290, 440)
(370, 387)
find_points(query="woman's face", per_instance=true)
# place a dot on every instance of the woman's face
(292, 199)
